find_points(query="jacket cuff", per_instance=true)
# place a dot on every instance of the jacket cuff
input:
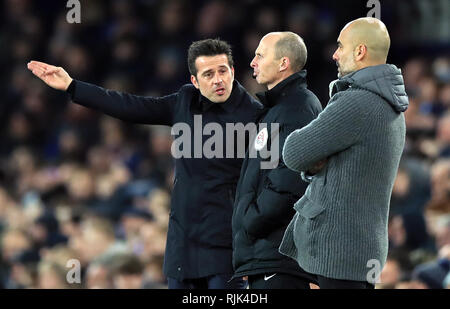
(306, 177)
(71, 89)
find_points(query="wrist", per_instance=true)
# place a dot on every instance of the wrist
(68, 84)
(71, 88)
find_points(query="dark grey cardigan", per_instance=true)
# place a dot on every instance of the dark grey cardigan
(341, 221)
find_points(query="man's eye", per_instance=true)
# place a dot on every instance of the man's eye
(207, 75)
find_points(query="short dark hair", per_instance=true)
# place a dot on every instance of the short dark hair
(208, 47)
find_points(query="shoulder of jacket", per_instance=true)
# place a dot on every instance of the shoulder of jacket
(187, 89)
(354, 95)
(251, 101)
(303, 93)
(301, 99)
(357, 101)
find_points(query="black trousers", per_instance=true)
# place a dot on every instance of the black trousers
(221, 281)
(329, 283)
(286, 281)
(277, 281)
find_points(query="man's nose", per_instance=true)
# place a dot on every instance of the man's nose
(253, 63)
(335, 56)
(217, 78)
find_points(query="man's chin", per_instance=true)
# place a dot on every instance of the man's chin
(220, 98)
(342, 74)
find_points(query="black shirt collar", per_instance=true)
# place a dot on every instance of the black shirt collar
(270, 97)
(229, 105)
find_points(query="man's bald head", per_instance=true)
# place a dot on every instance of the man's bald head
(279, 55)
(291, 45)
(362, 42)
(372, 33)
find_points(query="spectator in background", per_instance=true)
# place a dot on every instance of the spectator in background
(411, 189)
(23, 270)
(429, 97)
(443, 136)
(97, 240)
(416, 122)
(98, 276)
(408, 232)
(45, 232)
(213, 19)
(153, 275)
(13, 243)
(433, 274)
(397, 269)
(158, 206)
(127, 272)
(440, 188)
(444, 94)
(52, 276)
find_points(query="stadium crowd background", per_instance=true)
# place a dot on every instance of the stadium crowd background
(76, 184)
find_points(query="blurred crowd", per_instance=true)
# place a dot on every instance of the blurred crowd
(76, 184)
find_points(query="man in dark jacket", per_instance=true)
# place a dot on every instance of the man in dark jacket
(199, 241)
(265, 197)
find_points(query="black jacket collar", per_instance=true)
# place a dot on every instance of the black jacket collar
(229, 105)
(270, 97)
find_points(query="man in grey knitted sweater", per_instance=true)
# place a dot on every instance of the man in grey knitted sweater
(339, 231)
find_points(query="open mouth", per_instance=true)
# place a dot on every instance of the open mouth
(220, 91)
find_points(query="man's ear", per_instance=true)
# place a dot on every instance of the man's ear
(285, 63)
(360, 52)
(194, 81)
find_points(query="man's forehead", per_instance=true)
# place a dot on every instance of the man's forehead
(262, 49)
(269, 40)
(272, 37)
(208, 62)
(343, 35)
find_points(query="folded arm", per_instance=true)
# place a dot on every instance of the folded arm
(337, 128)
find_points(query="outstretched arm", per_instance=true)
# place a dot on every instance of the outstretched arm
(124, 106)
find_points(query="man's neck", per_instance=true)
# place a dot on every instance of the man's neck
(281, 78)
(369, 64)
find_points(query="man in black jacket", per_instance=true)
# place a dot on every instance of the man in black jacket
(199, 241)
(264, 199)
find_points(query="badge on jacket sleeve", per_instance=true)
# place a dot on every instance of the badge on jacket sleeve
(261, 139)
